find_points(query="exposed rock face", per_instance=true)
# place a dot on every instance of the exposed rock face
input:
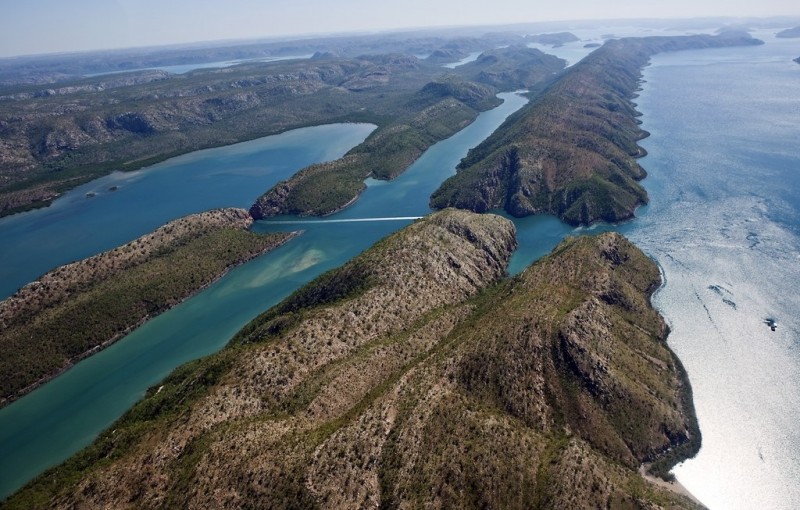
(410, 378)
(572, 152)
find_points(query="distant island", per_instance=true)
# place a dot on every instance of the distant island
(80, 308)
(572, 152)
(416, 375)
(555, 40)
(789, 33)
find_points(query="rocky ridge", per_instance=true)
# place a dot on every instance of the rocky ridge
(438, 110)
(572, 152)
(79, 308)
(415, 376)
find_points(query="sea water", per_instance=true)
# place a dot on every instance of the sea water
(724, 183)
(724, 224)
(117, 208)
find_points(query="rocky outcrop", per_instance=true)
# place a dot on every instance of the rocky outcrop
(572, 152)
(415, 376)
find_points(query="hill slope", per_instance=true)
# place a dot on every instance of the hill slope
(414, 376)
(572, 152)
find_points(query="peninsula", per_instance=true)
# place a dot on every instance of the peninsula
(415, 375)
(572, 152)
(77, 309)
(435, 112)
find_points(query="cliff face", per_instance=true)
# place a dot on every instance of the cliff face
(572, 152)
(412, 376)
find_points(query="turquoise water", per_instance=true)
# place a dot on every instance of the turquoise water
(61, 417)
(75, 227)
(723, 223)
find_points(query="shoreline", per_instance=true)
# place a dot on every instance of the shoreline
(674, 487)
(4, 402)
(59, 188)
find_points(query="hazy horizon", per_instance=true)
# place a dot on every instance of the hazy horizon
(40, 27)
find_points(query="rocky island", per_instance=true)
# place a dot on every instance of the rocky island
(555, 39)
(572, 152)
(415, 375)
(77, 309)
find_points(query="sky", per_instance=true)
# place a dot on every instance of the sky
(53, 26)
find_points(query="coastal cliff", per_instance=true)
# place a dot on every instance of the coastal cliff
(572, 152)
(415, 375)
(80, 308)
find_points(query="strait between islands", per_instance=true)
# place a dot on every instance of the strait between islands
(415, 374)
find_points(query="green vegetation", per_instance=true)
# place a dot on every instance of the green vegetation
(54, 137)
(415, 376)
(77, 309)
(575, 143)
(437, 111)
